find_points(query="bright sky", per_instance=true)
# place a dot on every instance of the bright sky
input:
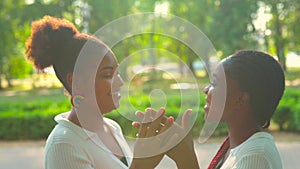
(263, 16)
(292, 60)
(162, 8)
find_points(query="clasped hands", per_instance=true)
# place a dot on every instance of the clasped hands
(159, 135)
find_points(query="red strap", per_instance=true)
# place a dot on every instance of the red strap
(220, 154)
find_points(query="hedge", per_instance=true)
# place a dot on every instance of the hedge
(287, 115)
(30, 116)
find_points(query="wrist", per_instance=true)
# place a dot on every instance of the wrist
(141, 163)
(185, 159)
(190, 162)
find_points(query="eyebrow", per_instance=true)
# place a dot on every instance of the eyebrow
(107, 67)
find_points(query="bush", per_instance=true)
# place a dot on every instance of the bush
(30, 116)
(28, 127)
(287, 114)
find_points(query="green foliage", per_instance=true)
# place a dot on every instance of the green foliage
(16, 67)
(228, 23)
(103, 12)
(283, 27)
(30, 116)
(28, 127)
(15, 21)
(292, 74)
(287, 115)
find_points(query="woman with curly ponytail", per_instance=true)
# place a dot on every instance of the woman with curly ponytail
(81, 139)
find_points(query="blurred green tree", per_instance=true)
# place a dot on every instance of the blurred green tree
(284, 27)
(15, 20)
(103, 12)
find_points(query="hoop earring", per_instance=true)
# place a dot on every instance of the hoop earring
(76, 100)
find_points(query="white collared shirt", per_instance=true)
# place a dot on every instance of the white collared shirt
(72, 147)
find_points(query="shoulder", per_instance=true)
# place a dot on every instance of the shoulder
(62, 134)
(61, 138)
(254, 161)
(112, 123)
(66, 155)
(261, 142)
(66, 133)
(259, 151)
(66, 149)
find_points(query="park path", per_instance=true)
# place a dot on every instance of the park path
(29, 155)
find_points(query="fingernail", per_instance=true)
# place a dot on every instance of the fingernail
(134, 124)
(138, 113)
(171, 119)
(189, 113)
(162, 111)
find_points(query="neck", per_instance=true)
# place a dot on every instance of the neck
(87, 122)
(241, 130)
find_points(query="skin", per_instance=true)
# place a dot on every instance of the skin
(227, 103)
(237, 113)
(108, 84)
(222, 95)
(107, 87)
(107, 91)
(183, 153)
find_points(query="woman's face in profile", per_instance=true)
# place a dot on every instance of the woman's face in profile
(108, 83)
(221, 97)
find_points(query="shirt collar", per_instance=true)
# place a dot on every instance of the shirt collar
(61, 119)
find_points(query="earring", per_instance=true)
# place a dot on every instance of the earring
(76, 100)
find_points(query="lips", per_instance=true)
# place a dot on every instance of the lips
(115, 94)
(206, 107)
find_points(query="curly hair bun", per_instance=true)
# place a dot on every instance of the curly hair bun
(49, 36)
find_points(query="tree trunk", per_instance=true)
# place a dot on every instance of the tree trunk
(1, 87)
(191, 67)
(281, 128)
(9, 83)
(279, 40)
(281, 55)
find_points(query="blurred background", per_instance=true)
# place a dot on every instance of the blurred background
(29, 99)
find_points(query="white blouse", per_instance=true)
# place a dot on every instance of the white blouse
(72, 147)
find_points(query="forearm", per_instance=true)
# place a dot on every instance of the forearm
(141, 164)
(188, 161)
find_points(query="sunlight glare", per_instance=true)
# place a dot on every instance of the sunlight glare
(162, 8)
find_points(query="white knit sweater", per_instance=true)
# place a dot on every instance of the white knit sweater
(257, 152)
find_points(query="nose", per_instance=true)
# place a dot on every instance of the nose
(118, 80)
(121, 80)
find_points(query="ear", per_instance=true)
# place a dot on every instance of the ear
(243, 101)
(70, 79)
